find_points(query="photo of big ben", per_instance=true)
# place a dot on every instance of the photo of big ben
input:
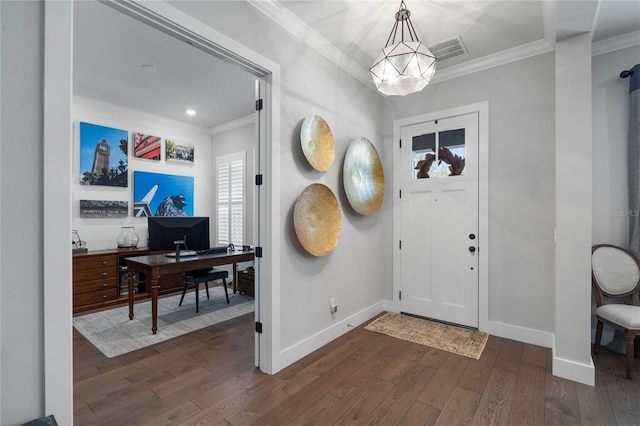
(103, 155)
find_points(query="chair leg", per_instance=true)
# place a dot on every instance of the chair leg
(183, 293)
(599, 326)
(226, 291)
(629, 354)
(197, 297)
(206, 285)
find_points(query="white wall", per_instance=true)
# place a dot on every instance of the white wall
(101, 233)
(21, 219)
(521, 184)
(358, 270)
(610, 130)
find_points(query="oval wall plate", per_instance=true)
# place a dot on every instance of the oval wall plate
(316, 219)
(317, 142)
(363, 177)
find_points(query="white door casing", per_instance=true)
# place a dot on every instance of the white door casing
(437, 220)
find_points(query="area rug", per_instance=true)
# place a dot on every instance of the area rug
(114, 334)
(458, 340)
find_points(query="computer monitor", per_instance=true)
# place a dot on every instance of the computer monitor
(165, 230)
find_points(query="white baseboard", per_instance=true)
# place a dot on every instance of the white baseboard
(571, 370)
(520, 334)
(303, 348)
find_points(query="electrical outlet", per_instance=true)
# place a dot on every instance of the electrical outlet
(333, 305)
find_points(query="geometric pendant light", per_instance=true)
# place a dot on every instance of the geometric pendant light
(406, 66)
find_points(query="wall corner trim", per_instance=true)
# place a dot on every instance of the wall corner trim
(572, 370)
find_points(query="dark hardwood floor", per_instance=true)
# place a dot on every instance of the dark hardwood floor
(207, 378)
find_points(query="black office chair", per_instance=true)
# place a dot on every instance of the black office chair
(203, 276)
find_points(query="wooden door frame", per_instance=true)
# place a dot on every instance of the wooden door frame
(482, 108)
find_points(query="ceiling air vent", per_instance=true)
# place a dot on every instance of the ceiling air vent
(448, 49)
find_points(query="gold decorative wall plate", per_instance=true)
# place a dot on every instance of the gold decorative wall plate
(363, 177)
(317, 142)
(316, 218)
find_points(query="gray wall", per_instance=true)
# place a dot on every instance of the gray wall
(521, 179)
(355, 271)
(21, 205)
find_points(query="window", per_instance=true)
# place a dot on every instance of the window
(231, 198)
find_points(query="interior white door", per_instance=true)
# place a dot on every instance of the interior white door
(439, 226)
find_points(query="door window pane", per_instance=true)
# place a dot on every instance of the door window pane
(438, 154)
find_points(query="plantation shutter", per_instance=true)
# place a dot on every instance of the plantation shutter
(231, 200)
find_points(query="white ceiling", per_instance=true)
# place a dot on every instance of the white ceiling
(110, 48)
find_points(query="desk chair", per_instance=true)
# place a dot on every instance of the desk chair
(203, 276)
(616, 274)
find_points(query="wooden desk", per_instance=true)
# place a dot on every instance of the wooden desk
(154, 266)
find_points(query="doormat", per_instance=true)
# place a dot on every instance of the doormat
(457, 340)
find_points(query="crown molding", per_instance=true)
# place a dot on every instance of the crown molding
(615, 43)
(490, 61)
(290, 22)
(240, 122)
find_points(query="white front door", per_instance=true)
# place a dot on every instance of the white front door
(439, 219)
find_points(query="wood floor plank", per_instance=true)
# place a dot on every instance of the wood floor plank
(316, 413)
(495, 406)
(461, 407)
(208, 378)
(536, 355)
(624, 395)
(406, 392)
(477, 374)
(510, 355)
(363, 405)
(306, 398)
(405, 362)
(351, 385)
(419, 414)
(438, 391)
(527, 407)
(594, 405)
(561, 401)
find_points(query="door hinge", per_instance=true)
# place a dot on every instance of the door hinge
(400, 295)
(401, 193)
(258, 327)
(400, 244)
(259, 105)
(258, 251)
(258, 179)
(400, 141)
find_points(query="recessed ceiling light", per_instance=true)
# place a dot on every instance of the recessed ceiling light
(148, 68)
(191, 111)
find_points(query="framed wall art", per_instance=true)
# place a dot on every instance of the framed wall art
(103, 208)
(178, 152)
(146, 146)
(157, 194)
(103, 155)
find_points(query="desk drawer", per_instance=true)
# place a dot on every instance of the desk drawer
(94, 285)
(94, 274)
(94, 297)
(81, 263)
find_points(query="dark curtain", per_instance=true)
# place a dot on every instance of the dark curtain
(634, 157)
